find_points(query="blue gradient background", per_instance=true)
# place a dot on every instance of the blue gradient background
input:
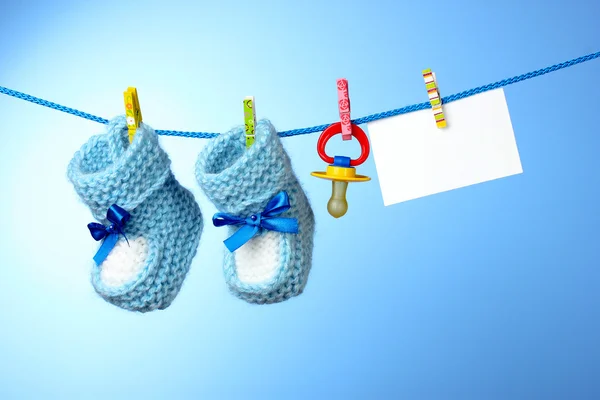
(487, 292)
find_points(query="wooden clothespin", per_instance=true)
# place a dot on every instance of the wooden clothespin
(434, 98)
(249, 120)
(133, 112)
(344, 108)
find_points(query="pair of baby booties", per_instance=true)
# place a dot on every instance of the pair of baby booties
(145, 269)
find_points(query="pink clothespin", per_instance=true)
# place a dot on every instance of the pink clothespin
(344, 108)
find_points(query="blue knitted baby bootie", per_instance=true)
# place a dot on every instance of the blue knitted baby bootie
(150, 225)
(270, 220)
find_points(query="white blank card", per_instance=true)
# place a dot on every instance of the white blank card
(414, 158)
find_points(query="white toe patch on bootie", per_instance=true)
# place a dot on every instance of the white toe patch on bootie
(124, 262)
(258, 260)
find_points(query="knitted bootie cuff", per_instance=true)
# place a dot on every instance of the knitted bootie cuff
(241, 181)
(109, 170)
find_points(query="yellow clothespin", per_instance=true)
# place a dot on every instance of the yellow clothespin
(133, 112)
(249, 119)
(434, 98)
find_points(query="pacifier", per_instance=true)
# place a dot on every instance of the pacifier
(341, 170)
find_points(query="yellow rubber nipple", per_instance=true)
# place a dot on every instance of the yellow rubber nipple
(337, 205)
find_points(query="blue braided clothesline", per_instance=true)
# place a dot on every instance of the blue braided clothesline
(319, 128)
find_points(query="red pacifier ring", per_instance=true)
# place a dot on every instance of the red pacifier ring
(336, 129)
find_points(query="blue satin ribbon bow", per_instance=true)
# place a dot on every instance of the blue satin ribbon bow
(118, 217)
(251, 225)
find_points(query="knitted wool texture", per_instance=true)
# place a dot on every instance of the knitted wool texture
(241, 182)
(166, 222)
